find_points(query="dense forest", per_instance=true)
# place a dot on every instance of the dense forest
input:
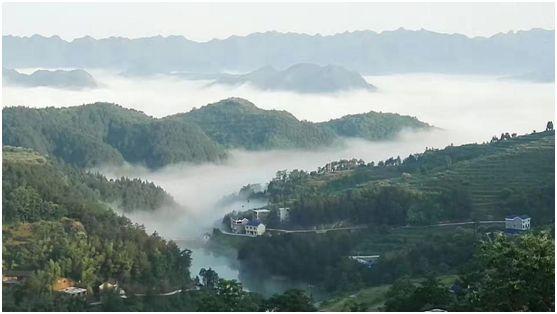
(102, 133)
(56, 224)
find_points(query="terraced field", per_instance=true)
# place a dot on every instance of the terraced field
(520, 163)
(21, 155)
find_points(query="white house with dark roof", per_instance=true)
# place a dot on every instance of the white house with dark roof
(255, 228)
(515, 223)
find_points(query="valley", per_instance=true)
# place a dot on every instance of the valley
(317, 164)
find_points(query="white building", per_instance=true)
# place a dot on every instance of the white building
(261, 213)
(75, 292)
(284, 214)
(255, 228)
(515, 224)
(238, 225)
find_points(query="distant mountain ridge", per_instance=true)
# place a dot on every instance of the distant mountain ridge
(101, 133)
(302, 77)
(367, 52)
(72, 79)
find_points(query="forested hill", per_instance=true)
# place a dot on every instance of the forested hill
(236, 122)
(510, 175)
(102, 133)
(55, 224)
(372, 125)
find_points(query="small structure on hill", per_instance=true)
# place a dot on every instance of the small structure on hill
(284, 214)
(255, 228)
(260, 214)
(62, 283)
(75, 292)
(238, 225)
(14, 277)
(517, 224)
(366, 260)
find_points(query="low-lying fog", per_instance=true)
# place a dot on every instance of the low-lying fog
(446, 101)
(467, 108)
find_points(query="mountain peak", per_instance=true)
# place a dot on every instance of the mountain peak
(236, 101)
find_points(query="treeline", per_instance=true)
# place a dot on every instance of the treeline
(55, 225)
(102, 133)
(128, 194)
(382, 205)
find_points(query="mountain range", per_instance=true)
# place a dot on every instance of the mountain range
(367, 52)
(72, 79)
(103, 133)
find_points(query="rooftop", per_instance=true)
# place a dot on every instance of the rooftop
(73, 290)
(254, 222)
(519, 216)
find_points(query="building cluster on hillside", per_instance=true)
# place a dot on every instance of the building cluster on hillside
(248, 227)
(254, 225)
(62, 285)
(341, 165)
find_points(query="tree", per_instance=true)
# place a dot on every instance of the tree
(209, 277)
(293, 300)
(514, 274)
(406, 296)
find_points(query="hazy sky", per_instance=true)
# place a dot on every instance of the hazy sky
(219, 20)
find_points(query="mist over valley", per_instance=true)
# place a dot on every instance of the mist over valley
(344, 169)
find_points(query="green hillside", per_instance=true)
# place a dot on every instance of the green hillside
(373, 125)
(236, 122)
(475, 181)
(516, 166)
(55, 223)
(102, 133)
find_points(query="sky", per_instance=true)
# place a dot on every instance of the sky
(206, 21)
